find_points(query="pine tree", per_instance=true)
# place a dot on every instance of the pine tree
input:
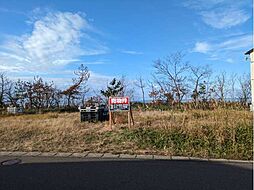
(113, 89)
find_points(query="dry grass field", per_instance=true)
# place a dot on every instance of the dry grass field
(217, 133)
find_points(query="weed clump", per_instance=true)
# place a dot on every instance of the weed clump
(229, 143)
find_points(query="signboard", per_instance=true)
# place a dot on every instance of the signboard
(119, 104)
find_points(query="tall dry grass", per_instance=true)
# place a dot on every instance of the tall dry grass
(217, 133)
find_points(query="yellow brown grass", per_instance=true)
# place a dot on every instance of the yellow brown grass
(194, 133)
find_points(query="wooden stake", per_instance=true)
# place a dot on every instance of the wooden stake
(129, 119)
(110, 119)
(131, 116)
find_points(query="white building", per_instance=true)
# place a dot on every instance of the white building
(250, 53)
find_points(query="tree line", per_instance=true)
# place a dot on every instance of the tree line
(173, 83)
(39, 94)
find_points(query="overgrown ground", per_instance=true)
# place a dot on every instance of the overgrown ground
(215, 134)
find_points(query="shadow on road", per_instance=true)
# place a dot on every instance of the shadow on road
(127, 174)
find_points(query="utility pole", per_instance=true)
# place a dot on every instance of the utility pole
(250, 53)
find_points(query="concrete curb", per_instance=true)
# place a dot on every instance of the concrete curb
(116, 156)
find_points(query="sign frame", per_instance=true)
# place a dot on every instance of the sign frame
(124, 101)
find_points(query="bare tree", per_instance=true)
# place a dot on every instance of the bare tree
(11, 95)
(57, 96)
(245, 88)
(2, 88)
(19, 93)
(221, 86)
(232, 81)
(164, 90)
(79, 85)
(153, 93)
(128, 88)
(171, 73)
(198, 78)
(141, 84)
(4, 81)
(124, 85)
(39, 92)
(82, 75)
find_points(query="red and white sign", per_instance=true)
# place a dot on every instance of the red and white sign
(119, 103)
(119, 100)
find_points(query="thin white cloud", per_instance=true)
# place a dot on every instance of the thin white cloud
(220, 14)
(131, 52)
(98, 62)
(213, 57)
(235, 43)
(10, 68)
(201, 47)
(97, 79)
(202, 4)
(57, 39)
(230, 60)
(226, 49)
(5, 10)
(79, 61)
(224, 18)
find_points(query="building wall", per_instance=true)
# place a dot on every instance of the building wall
(252, 57)
(252, 78)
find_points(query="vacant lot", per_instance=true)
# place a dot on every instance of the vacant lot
(216, 134)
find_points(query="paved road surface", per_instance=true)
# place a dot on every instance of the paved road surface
(74, 173)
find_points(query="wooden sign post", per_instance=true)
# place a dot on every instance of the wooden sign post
(120, 104)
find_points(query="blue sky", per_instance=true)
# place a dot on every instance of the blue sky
(51, 38)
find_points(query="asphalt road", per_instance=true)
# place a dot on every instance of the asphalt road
(68, 174)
